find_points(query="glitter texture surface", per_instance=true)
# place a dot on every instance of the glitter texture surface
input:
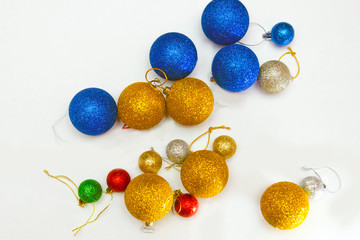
(313, 187)
(150, 162)
(235, 68)
(282, 34)
(190, 101)
(117, 180)
(177, 151)
(225, 21)
(148, 197)
(186, 205)
(225, 146)
(274, 76)
(90, 191)
(141, 106)
(204, 173)
(175, 54)
(284, 205)
(93, 111)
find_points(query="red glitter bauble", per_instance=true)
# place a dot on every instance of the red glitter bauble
(117, 180)
(186, 205)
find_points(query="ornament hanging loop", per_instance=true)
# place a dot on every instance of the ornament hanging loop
(297, 61)
(207, 132)
(156, 83)
(318, 175)
(177, 194)
(62, 176)
(265, 37)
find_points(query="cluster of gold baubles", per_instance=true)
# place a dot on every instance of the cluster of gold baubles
(142, 105)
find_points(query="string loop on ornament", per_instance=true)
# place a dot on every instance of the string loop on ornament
(264, 36)
(297, 61)
(54, 126)
(86, 223)
(207, 132)
(62, 176)
(172, 165)
(177, 193)
(156, 83)
(318, 175)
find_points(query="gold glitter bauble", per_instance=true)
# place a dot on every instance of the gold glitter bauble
(204, 173)
(150, 162)
(141, 106)
(189, 101)
(148, 197)
(284, 205)
(274, 76)
(225, 146)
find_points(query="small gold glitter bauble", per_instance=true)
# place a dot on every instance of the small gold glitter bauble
(204, 173)
(284, 205)
(189, 101)
(274, 76)
(148, 197)
(150, 162)
(141, 106)
(225, 146)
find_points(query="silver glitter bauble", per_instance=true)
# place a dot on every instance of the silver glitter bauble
(313, 187)
(274, 76)
(177, 150)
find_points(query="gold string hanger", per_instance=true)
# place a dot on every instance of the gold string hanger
(297, 61)
(156, 83)
(207, 132)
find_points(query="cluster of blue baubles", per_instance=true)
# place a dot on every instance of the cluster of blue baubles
(235, 67)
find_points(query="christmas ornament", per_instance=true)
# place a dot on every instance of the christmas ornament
(148, 197)
(225, 146)
(93, 111)
(89, 191)
(282, 34)
(150, 162)
(204, 173)
(189, 101)
(117, 180)
(274, 75)
(175, 54)
(235, 68)
(186, 205)
(225, 21)
(285, 205)
(177, 150)
(141, 105)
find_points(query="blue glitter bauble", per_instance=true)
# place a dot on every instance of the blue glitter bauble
(93, 111)
(225, 21)
(235, 68)
(282, 34)
(175, 54)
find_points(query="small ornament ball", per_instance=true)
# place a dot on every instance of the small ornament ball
(93, 111)
(90, 191)
(190, 101)
(117, 180)
(282, 34)
(284, 205)
(313, 187)
(225, 21)
(175, 54)
(148, 197)
(235, 68)
(177, 151)
(204, 173)
(141, 106)
(225, 146)
(274, 76)
(150, 162)
(186, 205)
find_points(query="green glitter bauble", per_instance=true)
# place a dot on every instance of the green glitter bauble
(90, 191)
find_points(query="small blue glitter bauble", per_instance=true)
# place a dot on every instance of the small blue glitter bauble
(282, 34)
(175, 54)
(225, 21)
(93, 111)
(235, 68)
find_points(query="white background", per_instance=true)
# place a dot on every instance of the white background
(51, 49)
